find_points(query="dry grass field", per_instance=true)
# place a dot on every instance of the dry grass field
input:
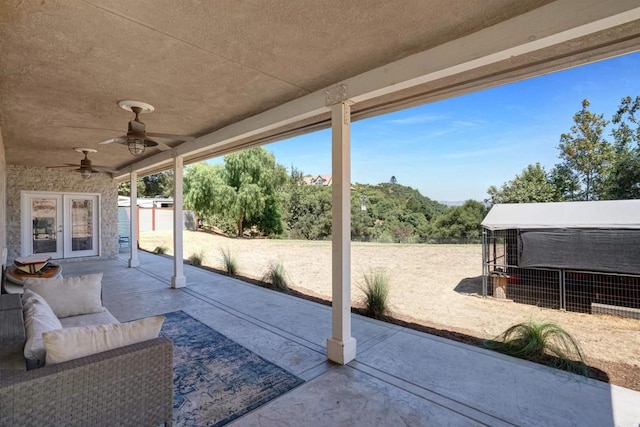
(432, 285)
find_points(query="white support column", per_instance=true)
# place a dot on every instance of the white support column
(133, 221)
(341, 347)
(178, 280)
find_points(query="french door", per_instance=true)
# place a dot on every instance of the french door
(60, 225)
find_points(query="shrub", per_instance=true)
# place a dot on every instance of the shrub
(385, 237)
(161, 249)
(226, 224)
(277, 276)
(229, 262)
(376, 293)
(542, 342)
(196, 258)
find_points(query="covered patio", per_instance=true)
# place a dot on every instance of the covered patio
(400, 377)
(230, 76)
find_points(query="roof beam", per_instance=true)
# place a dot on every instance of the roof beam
(552, 24)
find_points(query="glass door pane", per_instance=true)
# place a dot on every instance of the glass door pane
(45, 225)
(81, 225)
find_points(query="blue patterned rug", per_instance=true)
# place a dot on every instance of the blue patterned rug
(216, 380)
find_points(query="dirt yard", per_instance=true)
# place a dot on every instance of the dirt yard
(433, 285)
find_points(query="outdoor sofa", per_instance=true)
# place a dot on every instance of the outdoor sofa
(127, 386)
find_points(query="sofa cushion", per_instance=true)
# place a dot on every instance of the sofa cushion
(70, 296)
(38, 318)
(92, 319)
(72, 343)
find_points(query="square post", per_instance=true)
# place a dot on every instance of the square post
(133, 220)
(178, 280)
(341, 347)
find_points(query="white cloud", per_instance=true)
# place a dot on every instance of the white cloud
(422, 118)
(468, 123)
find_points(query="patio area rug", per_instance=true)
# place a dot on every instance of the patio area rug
(216, 380)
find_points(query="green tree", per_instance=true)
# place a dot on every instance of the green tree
(293, 209)
(460, 221)
(202, 188)
(623, 180)
(158, 185)
(244, 190)
(624, 134)
(316, 223)
(532, 185)
(565, 183)
(124, 188)
(254, 178)
(585, 152)
(307, 210)
(155, 185)
(394, 212)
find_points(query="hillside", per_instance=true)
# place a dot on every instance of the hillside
(383, 212)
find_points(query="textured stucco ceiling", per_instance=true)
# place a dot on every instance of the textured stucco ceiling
(64, 65)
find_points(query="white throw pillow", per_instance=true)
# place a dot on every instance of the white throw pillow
(72, 343)
(38, 318)
(70, 296)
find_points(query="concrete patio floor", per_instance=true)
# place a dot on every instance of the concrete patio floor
(400, 376)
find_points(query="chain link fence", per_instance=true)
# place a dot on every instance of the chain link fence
(564, 289)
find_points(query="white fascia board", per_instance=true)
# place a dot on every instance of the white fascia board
(546, 26)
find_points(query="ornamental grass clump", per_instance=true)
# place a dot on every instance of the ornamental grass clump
(277, 276)
(197, 258)
(229, 262)
(376, 293)
(161, 249)
(542, 342)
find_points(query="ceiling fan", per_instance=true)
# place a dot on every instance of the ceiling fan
(86, 169)
(137, 138)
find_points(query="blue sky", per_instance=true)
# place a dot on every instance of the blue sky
(453, 150)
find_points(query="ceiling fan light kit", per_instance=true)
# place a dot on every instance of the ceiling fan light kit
(86, 169)
(85, 164)
(136, 146)
(136, 138)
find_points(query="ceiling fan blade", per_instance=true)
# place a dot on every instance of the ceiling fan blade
(67, 166)
(163, 147)
(149, 142)
(98, 169)
(171, 136)
(119, 140)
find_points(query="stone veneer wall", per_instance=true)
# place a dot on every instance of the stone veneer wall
(27, 178)
(3, 192)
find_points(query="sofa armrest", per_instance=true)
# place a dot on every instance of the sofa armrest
(132, 385)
